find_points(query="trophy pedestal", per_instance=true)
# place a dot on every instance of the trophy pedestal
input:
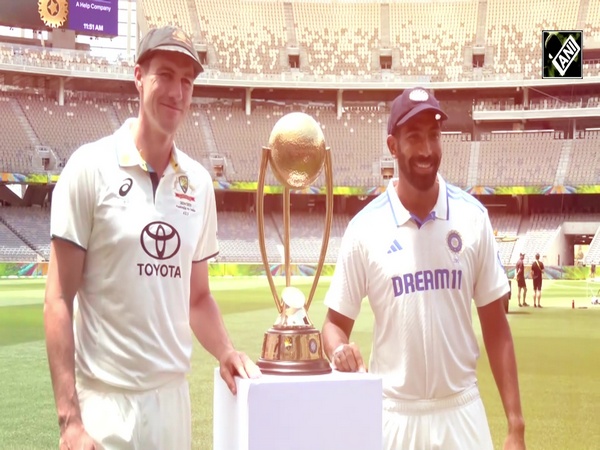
(336, 411)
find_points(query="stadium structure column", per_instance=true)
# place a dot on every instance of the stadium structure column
(525, 98)
(61, 91)
(339, 102)
(248, 101)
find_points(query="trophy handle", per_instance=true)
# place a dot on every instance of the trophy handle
(328, 219)
(260, 218)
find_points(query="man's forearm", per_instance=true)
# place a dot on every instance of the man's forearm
(208, 327)
(503, 364)
(60, 347)
(333, 337)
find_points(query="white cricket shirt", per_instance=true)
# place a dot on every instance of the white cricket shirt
(132, 318)
(420, 281)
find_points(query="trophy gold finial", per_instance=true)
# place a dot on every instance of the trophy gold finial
(297, 150)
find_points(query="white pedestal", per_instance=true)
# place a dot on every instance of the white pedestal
(338, 411)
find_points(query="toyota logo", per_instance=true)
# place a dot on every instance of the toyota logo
(160, 240)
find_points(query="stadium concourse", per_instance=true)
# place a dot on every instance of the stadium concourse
(527, 148)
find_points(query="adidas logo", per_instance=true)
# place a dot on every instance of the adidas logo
(394, 247)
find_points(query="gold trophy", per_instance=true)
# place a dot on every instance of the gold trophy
(296, 153)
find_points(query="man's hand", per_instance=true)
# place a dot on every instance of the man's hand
(237, 363)
(74, 437)
(516, 434)
(514, 441)
(347, 358)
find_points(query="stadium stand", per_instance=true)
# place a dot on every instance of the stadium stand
(338, 38)
(519, 159)
(85, 121)
(307, 232)
(357, 141)
(248, 37)
(456, 154)
(159, 12)
(12, 248)
(593, 254)
(243, 147)
(584, 164)
(542, 230)
(31, 225)
(356, 138)
(431, 37)
(16, 146)
(238, 238)
(592, 23)
(515, 36)
(506, 229)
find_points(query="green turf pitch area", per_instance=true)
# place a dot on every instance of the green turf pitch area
(558, 351)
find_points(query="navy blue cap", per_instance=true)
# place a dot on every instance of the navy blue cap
(410, 103)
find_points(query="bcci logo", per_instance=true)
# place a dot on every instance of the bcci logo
(53, 13)
(562, 54)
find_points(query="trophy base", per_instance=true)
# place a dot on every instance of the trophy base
(293, 351)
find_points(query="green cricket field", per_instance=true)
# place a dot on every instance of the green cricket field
(558, 355)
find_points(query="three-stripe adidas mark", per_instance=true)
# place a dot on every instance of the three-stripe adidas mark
(394, 247)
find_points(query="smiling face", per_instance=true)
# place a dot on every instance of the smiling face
(165, 83)
(417, 147)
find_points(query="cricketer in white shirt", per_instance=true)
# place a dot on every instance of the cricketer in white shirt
(420, 280)
(132, 318)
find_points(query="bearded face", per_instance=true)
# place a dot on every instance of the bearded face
(419, 151)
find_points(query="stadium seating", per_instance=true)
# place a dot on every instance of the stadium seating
(15, 154)
(515, 36)
(338, 38)
(307, 232)
(243, 147)
(357, 140)
(238, 239)
(13, 249)
(65, 128)
(584, 164)
(238, 235)
(591, 28)
(593, 254)
(342, 39)
(32, 225)
(159, 12)
(542, 230)
(456, 150)
(432, 36)
(506, 228)
(518, 159)
(248, 36)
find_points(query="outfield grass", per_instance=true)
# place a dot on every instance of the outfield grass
(558, 351)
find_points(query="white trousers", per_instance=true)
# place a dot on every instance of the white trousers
(457, 422)
(159, 419)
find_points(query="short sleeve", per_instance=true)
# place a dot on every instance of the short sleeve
(490, 281)
(73, 200)
(208, 246)
(349, 282)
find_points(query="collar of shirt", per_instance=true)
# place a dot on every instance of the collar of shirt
(402, 215)
(128, 154)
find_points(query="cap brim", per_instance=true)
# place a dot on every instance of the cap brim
(175, 48)
(419, 109)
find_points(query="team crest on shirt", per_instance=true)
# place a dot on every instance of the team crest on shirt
(455, 243)
(182, 186)
(184, 182)
(184, 193)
